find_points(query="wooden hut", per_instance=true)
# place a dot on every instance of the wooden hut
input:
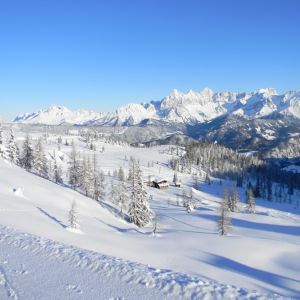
(160, 183)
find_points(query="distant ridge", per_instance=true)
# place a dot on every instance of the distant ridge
(184, 108)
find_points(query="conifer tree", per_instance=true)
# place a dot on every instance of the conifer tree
(207, 179)
(139, 211)
(250, 200)
(96, 184)
(2, 147)
(27, 154)
(269, 190)
(12, 148)
(121, 174)
(72, 217)
(86, 177)
(122, 197)
(113, 192)
(234, 200)
(257, 188)
(115, 173)
(74, 169)
(40, 164)
(175, 178)
(196, 182)
(155, 225)
(224, 223)
(57, 176)
(192, 199)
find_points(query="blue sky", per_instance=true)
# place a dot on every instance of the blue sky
(101, 54)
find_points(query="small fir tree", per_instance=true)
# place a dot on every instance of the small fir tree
(72, 217)
(224, 222)
(250, 200)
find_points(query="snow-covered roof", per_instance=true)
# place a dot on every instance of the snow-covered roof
(158, 180)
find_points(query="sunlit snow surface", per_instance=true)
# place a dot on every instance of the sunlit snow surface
(261, 253)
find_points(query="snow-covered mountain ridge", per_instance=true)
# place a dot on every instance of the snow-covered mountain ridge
(185, 108)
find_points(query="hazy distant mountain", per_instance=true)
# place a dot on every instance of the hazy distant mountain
(185, 108)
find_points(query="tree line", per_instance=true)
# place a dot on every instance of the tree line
(83, 175)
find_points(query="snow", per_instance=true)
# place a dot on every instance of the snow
(191, 107)
(268, 91)
(260, 253)
(65, 272)
(56, 115)
(292, 168)
(19, 192)
(268, 134)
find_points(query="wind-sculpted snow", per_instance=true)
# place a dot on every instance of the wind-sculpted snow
(129, 280)
(182, 108)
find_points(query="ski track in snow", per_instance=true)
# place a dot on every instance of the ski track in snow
(66, 266)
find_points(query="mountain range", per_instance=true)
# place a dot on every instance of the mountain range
(180, 108)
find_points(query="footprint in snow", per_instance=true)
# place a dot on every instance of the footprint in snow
(21, 272)
(74, 288)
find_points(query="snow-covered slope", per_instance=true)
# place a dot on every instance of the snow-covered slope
(81, 274)
(260, 254)
(56, 115)
(189, 108)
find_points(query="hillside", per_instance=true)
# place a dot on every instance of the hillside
(266, 245)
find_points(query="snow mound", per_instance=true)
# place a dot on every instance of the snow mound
(74, 230)
(19, 192)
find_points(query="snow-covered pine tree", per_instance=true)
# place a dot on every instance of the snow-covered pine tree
(224, 223)
(257, 188)
(96, 184)
(74, 169)
(1, 142)
(3, 148)
(139, 211)
(72, 217)
(207, 179)
(130, 175)
(98, 181)
(234, 200)
(155, 225)
(113, 194)
(121, 174)
(12, 148)
(27, 159)
(269, 190)
(185, 199)
(57, 172)
(175, 178)
(86, 177)
(102, 184)
(40, 164)
(122, 197)
(196, 182)
(250, 200)
(115, 173)
(192, 199)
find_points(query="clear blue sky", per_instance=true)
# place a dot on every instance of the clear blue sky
(101, 54)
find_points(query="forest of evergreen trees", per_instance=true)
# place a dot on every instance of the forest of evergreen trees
(83, 175)
(268, 180)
